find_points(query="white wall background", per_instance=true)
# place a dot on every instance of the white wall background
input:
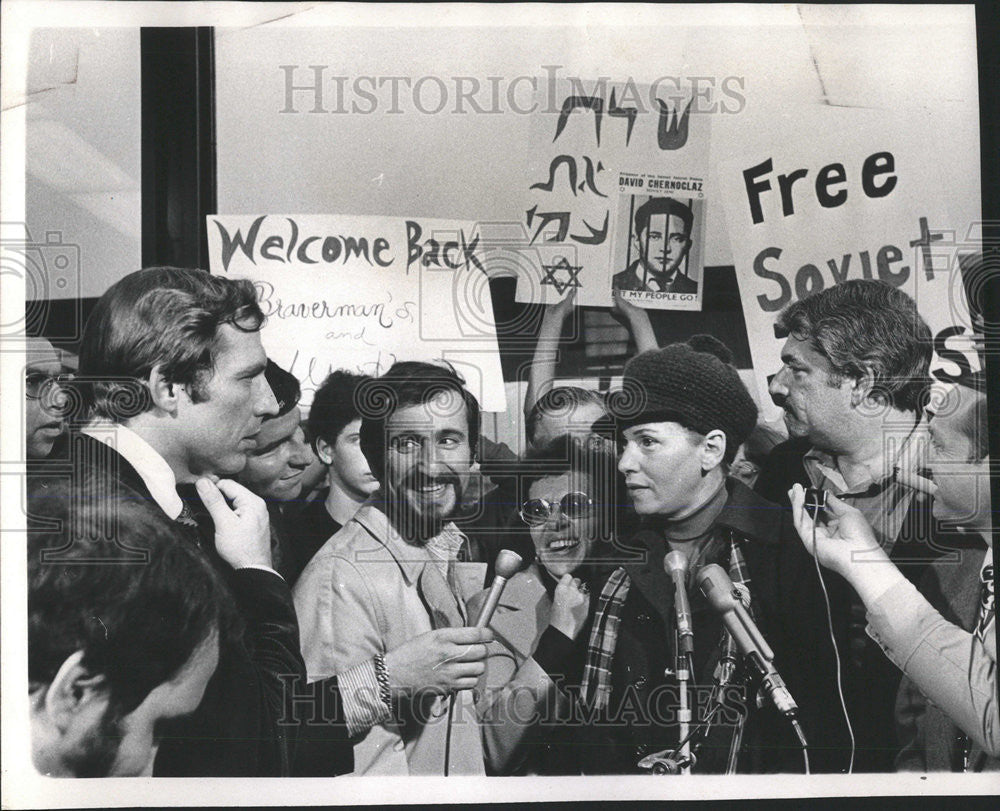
(82, 100)
(82, 152)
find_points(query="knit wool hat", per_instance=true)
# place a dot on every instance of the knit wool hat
(693, 388)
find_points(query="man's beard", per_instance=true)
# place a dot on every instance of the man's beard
(418, 523)
(96, 754)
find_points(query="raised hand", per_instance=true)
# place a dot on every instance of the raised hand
(560, 310)
(242, 528)
(638, 322)
(570, 606)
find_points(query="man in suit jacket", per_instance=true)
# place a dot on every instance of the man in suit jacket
(662, 238)
(177, 394)
(392, 576)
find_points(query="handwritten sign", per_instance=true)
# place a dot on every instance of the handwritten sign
(582, 137)
(360, 293)
(860, 198)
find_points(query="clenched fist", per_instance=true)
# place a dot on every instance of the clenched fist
(570, 606)
(439, 661)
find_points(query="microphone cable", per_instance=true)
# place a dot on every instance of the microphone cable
(836, 654)
(802, 740)
(447, 734)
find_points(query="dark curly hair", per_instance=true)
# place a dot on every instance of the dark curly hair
(334, 406)
(864, 327)
(115, 579)
(407, 383)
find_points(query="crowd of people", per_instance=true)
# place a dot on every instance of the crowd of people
(219, 587)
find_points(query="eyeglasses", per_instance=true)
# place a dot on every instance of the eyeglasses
(41, 386)
(537, 511)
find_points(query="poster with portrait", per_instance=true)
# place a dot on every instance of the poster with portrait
(657, 258)
(586, 136)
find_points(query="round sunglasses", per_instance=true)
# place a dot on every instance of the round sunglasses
(537, 511)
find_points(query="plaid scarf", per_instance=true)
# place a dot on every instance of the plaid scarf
(596, 687)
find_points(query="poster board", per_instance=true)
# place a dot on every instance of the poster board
(584, 137)
(848, 194)
(360, 293)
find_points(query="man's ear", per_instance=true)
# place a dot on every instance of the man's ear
(164, 394)
(324, 450)
(713, 450)
(73, 689)
(862, 388)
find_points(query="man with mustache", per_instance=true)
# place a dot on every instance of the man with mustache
(852, 385)
(942, 637)
(393, 574)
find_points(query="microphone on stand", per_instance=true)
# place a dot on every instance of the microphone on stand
(508, 564)
(728, 661)
(726, 600)
(675, 564)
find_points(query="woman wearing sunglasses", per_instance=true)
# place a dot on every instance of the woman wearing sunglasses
(543, 617)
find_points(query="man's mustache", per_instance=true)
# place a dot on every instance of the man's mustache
(447, 475)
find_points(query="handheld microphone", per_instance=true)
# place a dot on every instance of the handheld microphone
(507, 565)
(675, 564)
(727, 601)
(815, 503)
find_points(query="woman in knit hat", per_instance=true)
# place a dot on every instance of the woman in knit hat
(683, 412)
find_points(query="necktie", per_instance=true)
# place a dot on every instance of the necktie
(986, 602)
(187, 517)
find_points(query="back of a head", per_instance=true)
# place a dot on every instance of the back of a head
(334, 406)
(867, 327)
(161, 316)
(408, 383)
(115, 580)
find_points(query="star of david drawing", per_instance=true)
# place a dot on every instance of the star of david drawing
(562, 284)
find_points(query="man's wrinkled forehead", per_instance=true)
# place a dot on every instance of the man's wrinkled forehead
(443, 410)
(799, 349)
